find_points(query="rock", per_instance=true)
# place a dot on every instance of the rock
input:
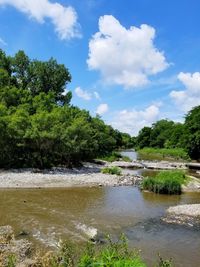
(6, 234)
(20, 249)
(98, 239)
(188, 215)
(22, 233)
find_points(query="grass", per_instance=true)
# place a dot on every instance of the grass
(165, 182)
(111, 255)
(115, 156)
(161, 153)
(112, 170)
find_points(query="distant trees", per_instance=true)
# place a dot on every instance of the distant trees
(168, 134)
(38, 126)
(162, 134)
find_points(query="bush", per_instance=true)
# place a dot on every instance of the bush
(165, 182)
(112, 170)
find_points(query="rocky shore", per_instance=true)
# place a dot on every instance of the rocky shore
(88, 175)
(188, 215)
(14, 250)
(151, 165)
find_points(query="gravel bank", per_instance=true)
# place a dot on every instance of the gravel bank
(151, 165)
(88, 175)
(188, 215)
(188, 210)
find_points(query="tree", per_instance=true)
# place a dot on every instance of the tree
(161, 132)
(144, 138)
(38, 126)
(192, 133)
(48, 76)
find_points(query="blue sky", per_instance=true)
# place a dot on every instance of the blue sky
(133, 62)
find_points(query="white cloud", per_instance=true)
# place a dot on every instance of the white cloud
(125, 56)
(83, 94)
(190, 97)
(64, 18)
(2, 42)
(131, 121)
(97, 96)
(102, 108)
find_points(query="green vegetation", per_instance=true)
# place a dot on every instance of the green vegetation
(111, 170)
(165, 182)
(165, 134)
(115, 156)
(111, 255)
(176, 153)
(38, 125)
(192, 128)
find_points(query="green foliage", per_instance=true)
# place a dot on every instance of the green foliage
(176, 153)
(38, 126)
(111, 170)
(111, 255)
(11, 261)
(165, 182)
(192, 139)
(162, 134)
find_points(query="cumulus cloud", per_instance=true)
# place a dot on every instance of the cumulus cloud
(64, 18)
(125, 56)
(190, 96)
(102, 109)
(83, 94)
(131, 121)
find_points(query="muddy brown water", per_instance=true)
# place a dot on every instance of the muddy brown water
(75, 213)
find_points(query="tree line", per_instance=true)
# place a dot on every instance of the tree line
(169, 134)
(38, 125)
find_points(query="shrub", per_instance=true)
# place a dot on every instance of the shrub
(112, 170)
(165, 182)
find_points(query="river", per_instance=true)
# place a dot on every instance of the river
(73, 213)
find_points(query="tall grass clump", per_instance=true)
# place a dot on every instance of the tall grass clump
(112, 170)
(165, 182)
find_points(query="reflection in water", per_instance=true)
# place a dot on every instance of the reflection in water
(50, 214)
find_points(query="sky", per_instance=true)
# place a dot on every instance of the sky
(133, 62)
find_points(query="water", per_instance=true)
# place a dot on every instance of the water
(131, 153)
(77, 213)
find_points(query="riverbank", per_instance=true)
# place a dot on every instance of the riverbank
(188, 215)
(88, 175)
(151, 165)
